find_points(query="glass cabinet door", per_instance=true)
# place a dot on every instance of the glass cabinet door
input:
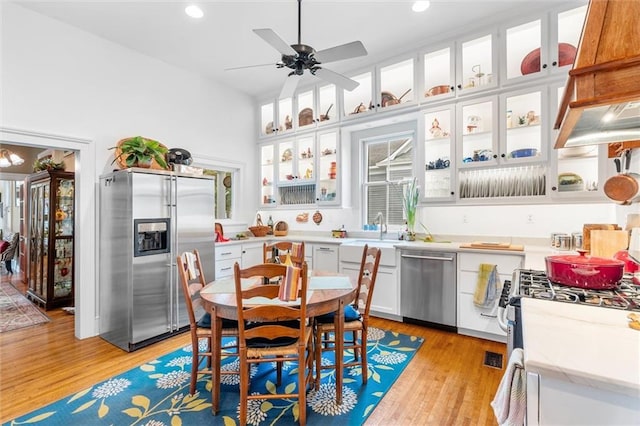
(523, 50)
(327, 167)
(327, 105)
(438, 149)
(285, 115)
(477, 64)
(438, 74)
(359, 100)
(62, 256)
(477, 132)
(577, 170)
(522, 140)
(396, 84)
(566, 29)
(267, 119)
(285, 161)
(306, 109)
(267, 167)
(305, 149)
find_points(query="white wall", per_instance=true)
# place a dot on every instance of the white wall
(58, 80)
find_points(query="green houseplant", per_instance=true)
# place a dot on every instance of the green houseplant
(410, 197)
(140, 152)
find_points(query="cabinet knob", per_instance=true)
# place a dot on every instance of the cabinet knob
(452, 193)
(453, 88)
(554, 63)
(553, 188)
(496, 155)
(459, 86)
(502, 155)
(544, 65)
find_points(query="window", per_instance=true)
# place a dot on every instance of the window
(223, 192)
(388, 162)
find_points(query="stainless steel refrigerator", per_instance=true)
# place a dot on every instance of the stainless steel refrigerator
(146, 219)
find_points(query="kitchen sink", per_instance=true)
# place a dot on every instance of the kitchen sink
(374, 242)
(352, 251)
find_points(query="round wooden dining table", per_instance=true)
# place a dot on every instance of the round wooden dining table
(220, 300)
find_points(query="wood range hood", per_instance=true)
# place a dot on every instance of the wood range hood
(601, 102)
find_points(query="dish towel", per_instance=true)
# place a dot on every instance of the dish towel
(296, 250)
(289, 286)
(189, 260)
(510, 403)
(486, 286)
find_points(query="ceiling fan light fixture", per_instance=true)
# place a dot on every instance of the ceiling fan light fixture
(194, 11)
(420, 6)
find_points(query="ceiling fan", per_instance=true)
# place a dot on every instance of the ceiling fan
(300, 57)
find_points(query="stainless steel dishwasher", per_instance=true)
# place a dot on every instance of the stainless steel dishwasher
(428, 288)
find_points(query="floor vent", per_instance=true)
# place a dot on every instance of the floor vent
(493, 359)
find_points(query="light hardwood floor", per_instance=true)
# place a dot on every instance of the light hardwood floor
(446, 383)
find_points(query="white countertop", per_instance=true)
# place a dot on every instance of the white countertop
(534, 253)
(582, 344)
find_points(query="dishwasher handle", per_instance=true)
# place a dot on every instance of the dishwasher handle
(413, 256)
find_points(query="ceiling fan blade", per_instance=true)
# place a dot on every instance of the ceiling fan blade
(250, 66)
(338, 79)
(338, 53)
(289, 87)
(270, 36)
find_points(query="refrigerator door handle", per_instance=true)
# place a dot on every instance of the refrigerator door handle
(173, 296)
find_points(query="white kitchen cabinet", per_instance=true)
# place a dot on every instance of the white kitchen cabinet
(251, 254)
(301, 170)
(386, 293)
(390, 85)
(473, 320)
(477, 132)
(576, 173)
(438, 151)
(316, 106)
(325, 257)
(540, 46)
(523, 126)
(276, 117)
(438, 66)
(226, 256)
(476, 63)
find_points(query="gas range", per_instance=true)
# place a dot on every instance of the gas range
(534, 284)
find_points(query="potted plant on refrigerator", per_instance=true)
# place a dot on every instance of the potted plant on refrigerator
(410, 197)
(140, 152)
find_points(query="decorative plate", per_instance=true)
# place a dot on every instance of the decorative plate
(317, 217)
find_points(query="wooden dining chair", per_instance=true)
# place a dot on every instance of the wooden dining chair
(277, 252)
(356, 320)
(193, 280)
(274, 331)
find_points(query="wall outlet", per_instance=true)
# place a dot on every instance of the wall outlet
(465, 218)
(530, 218)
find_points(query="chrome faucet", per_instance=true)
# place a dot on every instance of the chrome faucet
(383, 224)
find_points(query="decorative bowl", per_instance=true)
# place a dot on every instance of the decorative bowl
(531, 62)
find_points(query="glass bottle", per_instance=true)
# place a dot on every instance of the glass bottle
(270, 225)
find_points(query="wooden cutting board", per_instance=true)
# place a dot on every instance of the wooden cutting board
(493, 246)
(606, 243)
(588, 227)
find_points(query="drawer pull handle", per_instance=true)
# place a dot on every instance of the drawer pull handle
(225, 269)
(488, 316)
(225, 253)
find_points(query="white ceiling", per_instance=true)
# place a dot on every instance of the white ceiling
(223, 38)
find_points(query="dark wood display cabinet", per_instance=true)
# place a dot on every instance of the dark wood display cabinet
(50, 223)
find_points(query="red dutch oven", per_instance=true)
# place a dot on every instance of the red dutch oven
(597, 273)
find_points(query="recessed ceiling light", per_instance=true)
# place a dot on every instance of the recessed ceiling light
(194, 11)
(420, 6)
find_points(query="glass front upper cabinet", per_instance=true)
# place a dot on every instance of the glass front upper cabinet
(268, 175)
(523, 126)
(477, 132)
(328, 172)
(396, 84)
(578, 170)
(360, 100)
(477, 64)
(540, 46)
(316, 106)
(438, 79)
(276, 117)
(438, 151)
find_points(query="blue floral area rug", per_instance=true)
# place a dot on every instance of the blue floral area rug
(157, 393)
